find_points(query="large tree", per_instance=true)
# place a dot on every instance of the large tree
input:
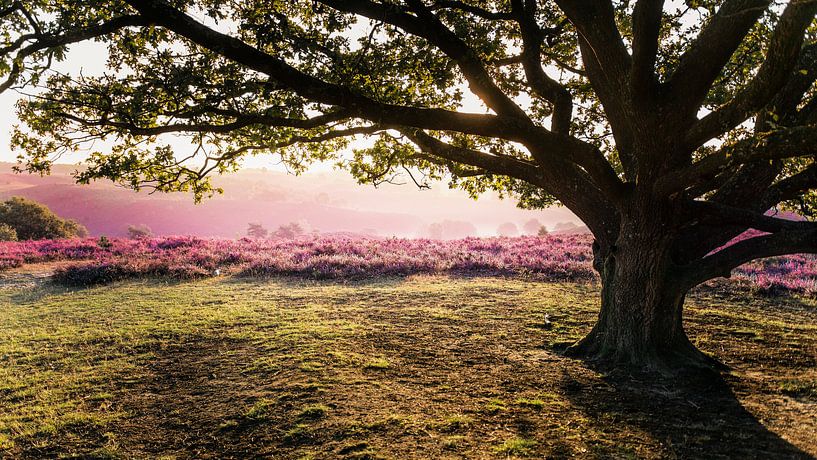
(669, 128)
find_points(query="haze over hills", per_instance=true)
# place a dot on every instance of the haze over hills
(322, 201)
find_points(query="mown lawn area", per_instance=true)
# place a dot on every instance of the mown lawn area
(420, 367)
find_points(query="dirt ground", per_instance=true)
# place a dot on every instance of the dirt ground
(425, 367)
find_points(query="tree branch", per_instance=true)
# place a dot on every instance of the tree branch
(544, 86)
(724, 261)
(712, 213)
(45, 42)
(475, 10)
(785, 143)
(498, 164)
(607, 64)
(426, 25)
(646, 28)
(770, 78)
(240, 122)
(791, 187)
(701, 64)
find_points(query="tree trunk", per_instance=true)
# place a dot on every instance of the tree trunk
(640, 322)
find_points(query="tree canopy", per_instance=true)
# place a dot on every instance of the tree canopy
(24, 219)
(678, 124)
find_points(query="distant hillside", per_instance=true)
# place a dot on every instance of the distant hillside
(327, 202)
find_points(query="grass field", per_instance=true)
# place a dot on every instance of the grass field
(419, 367)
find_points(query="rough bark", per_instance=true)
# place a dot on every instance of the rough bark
(640, 322)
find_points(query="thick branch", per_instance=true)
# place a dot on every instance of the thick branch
(724, 261)
(770, 78)
(712, 213)
(646, 28)
(498, 164)
(791, 187)
(607, 64)
(701, 64)
(786, 143)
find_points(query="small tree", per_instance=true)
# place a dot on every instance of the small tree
(507, 229)
(532, 227)
(289, 231)
(435, 231)
(450, 229)
(543, 231)
(7, 233)
(34, 221)
(565, 227)
(140, 231)
(257, 231)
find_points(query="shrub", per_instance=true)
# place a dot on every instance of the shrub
(104, 242)
(137, 232)
(34, 221)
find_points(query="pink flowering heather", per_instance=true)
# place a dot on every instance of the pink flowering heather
(552, 258)
(785, 274)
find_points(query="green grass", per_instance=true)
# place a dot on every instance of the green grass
(517, 447)
(315, 411)
(396, 368)
(379, 363)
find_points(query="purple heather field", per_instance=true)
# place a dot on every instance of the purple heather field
(550, 258)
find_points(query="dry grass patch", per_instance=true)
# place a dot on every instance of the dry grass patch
(424, 367)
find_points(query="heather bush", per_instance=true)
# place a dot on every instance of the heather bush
(552, 258)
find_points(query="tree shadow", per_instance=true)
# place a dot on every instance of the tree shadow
(694, 417)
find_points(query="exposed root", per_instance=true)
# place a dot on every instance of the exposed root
(681, 358)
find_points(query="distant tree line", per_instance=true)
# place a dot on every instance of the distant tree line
(288, 231)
